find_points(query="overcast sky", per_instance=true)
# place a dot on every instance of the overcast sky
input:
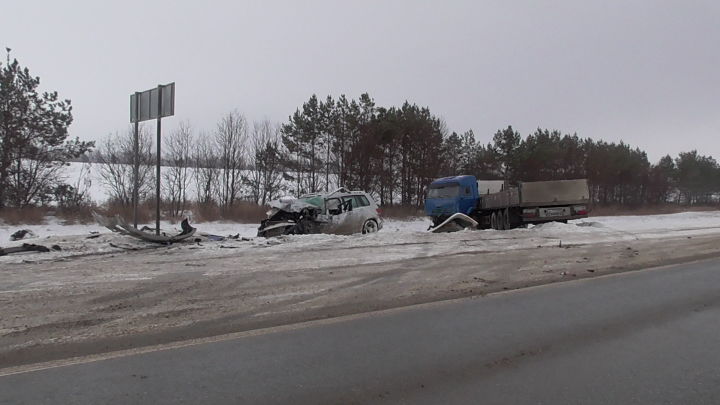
(646, 72)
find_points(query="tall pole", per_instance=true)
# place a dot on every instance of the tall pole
(157, 171)
(136, 160)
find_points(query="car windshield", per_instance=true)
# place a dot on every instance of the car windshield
(444, 190)
(317, 201)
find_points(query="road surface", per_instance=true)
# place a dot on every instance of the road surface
(646, 337)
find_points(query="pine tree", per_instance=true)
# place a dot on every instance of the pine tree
(505, 145)
(33, 138)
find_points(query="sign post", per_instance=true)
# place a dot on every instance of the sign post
(157, 174)
(147, 105)
(136, 164)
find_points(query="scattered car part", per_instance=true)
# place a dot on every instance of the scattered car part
(454, 223)
(26, 247)
(22, 234)
(119, 225)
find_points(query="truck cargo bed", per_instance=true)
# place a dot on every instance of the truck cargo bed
(559, 192)
(538, 194)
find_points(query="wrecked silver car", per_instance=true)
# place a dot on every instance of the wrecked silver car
(341, 212)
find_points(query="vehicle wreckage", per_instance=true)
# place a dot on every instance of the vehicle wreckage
(340, 212)
(28, 247)
(119, 225)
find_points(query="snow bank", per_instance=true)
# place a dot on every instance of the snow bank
(53, 227)
(399, 239)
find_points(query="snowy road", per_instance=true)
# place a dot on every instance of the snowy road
(623, 339)
(95, 295)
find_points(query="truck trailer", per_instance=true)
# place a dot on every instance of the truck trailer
(494, 204)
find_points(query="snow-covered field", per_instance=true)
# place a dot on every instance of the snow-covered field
(403, 239)
(87, 177)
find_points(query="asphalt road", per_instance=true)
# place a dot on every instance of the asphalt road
(646, 337)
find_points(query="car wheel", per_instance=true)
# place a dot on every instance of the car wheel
(370, 226)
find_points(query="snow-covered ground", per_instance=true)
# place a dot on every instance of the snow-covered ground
(398, 236)
(95, 288)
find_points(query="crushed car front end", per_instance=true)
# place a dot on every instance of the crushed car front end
(291, 217)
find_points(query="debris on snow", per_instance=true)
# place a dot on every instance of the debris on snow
(22, 234)
(118, 224)
(402, 238)
(456, 222)
(26, 247)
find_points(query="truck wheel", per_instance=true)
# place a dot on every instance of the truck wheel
(507, 223)
(497, 220)
(493, 221)
(501, 220)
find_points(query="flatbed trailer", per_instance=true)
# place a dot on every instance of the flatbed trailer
(534, 202)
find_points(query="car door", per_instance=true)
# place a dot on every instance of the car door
(336, 216)
(364, 208)
(355, 216)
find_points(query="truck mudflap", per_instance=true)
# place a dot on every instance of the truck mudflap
(456, 222)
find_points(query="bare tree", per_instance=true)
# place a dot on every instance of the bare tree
(76, 195)
(266, 158)
(230, 138)
(178, 158)
(206, 173)
(114, 157)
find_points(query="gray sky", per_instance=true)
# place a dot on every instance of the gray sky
(646, 72)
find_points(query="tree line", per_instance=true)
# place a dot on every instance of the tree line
(237, 161)
(395, 152)
(392, 152)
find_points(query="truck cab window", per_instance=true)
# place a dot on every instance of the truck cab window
(444, 191)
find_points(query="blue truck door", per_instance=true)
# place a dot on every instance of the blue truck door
(468, 196)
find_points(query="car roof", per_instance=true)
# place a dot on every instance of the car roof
(337, 193)
(347, 194)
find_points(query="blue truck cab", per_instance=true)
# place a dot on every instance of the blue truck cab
(449, 195)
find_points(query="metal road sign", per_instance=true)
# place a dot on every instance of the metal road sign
(149, 105)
